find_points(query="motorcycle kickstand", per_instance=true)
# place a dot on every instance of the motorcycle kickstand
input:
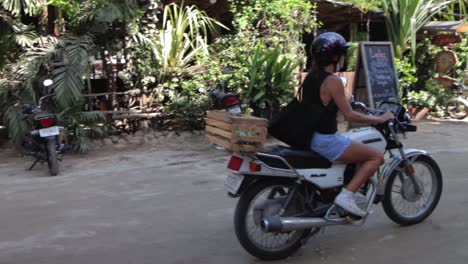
(34, 163)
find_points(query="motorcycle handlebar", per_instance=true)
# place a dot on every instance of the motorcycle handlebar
(397, 124)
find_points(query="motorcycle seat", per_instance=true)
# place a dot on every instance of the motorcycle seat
(298, 159)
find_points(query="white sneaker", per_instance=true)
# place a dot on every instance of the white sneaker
(349, 204)
(361, 200)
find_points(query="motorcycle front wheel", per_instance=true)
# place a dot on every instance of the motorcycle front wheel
(265, 199)
(401, 203)
(52, 159)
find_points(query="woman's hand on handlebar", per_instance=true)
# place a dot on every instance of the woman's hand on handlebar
(386, 116)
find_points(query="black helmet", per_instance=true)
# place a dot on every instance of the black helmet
(327, 46)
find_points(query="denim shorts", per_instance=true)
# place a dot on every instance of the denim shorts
(330, 146)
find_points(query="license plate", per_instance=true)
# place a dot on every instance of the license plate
(233, 183)
(48, 132)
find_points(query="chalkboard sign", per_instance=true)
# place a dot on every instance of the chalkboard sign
(376, 64)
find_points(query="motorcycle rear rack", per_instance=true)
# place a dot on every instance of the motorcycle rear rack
(291, 168)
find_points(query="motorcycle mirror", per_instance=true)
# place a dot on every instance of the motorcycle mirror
(358, 105)
(47, 83)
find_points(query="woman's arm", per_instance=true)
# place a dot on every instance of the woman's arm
(335, 88)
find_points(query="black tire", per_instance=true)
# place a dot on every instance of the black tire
(242, 233)
(52, 159)
(436, 182)
(457, 109)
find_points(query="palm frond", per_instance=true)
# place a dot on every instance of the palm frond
(68, 84)
(108, 11)
(88, 118)
(13, 118)
(405, 17)
(68, 74)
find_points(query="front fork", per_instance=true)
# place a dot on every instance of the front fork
(406, 162)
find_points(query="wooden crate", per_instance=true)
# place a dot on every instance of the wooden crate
(236, 133)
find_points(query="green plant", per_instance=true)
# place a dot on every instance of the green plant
(271, 80)
(451, 13)
(434, 97)
(69, 8)
(406, 75)
(78, 126)
(187, 112)
(278, 22)
(14, 36)
(461, 70)
(22, 34)
(183, 36)
(17, 7)
(351, 57)
(405, 17)
(64, 60)
(368, 4)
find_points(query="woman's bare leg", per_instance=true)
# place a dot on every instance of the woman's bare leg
(370, 159)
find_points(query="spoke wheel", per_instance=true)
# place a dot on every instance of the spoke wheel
(52, 159)
(263, 200)
(402, 204)
(456, 109)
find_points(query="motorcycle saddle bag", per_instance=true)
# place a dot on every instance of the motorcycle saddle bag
(298, 159)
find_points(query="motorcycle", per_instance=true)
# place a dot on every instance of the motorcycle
(457, 107)
(228, 101)
(286, 196)
(43, 143)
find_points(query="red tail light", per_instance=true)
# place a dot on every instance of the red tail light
(47, 122)
(235, 163)
(232, 100)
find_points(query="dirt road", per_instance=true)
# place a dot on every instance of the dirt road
(165, 203)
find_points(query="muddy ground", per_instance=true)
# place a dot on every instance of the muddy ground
(147, 200)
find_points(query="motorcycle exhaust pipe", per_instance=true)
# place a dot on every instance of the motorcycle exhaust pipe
(286, 224)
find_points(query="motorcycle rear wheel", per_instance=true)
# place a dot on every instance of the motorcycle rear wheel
(248, 215)
(402, 204)
(457, 109)
(52, 159)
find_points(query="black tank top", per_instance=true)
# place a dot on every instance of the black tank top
(297, 122)
(327, 123)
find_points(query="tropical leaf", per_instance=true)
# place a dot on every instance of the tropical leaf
(13, 119)
(88, 118)
(184, 35)
(271, 78)
(405, 17)
(24, 35)
(16, 7)
(26, 38)
(101, 11)
(68, 74)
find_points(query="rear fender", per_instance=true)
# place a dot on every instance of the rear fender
(252, 177)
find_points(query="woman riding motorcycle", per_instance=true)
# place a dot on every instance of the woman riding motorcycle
(309, 121)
